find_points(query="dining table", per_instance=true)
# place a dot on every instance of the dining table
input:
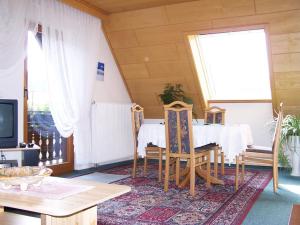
(233, 139)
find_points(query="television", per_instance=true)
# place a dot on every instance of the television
(8, 123)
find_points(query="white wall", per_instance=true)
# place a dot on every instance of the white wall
(257, 115)
(112, 89)
(112, 138)
(11, 87)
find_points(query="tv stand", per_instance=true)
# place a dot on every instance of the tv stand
(16, 149)
(10, 163)
(3, 158)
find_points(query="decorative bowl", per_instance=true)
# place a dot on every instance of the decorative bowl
(23, 176)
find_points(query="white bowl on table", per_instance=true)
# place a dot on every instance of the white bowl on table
(23, 176)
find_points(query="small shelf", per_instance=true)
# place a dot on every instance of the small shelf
(35, 147)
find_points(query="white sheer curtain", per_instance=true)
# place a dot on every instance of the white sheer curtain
(71, 46)
(13, 30)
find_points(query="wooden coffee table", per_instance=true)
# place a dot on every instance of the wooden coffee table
(79, 209)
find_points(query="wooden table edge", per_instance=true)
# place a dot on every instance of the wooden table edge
(122, 190)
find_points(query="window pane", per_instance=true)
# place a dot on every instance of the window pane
(235, 65)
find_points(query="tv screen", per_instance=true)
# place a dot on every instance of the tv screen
(6, 120)
(8, 123)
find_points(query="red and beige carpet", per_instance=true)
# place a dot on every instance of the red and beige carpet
(147, 203)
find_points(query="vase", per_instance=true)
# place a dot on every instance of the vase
(294, 145)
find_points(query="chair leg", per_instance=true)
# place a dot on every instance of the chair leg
(277, 178)
(192, 176)
(177, 173)
(216, 163)
(160, 165)
(167, 173)
(243, 168)
(145, 166)
(274, 179)
(208, 180)
(222, 163)
(237, 173)
(134, 164)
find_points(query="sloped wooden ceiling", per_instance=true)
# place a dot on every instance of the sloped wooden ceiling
(114, 6)
(149, 46)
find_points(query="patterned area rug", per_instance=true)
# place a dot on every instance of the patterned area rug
(147, 203)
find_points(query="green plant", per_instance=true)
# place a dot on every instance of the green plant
(173, 93)
(290, 127)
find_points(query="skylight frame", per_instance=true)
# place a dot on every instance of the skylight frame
(233, 29)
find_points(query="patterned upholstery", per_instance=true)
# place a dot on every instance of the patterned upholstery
(210, 118)
(138, 115)
(138, 119)
(214, 115)
(172, 123)
(184, 131)
(219, 118)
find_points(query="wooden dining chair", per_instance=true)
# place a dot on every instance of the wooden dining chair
(216, 115)
(179, 144)
(262, 156)
(151, 152)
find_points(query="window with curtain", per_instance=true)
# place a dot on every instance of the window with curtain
(232, 65)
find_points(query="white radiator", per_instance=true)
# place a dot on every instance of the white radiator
(112, 139)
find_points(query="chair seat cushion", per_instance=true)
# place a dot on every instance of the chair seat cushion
(259, 149)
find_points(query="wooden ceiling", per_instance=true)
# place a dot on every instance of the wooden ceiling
(114, 6)
(149, 47)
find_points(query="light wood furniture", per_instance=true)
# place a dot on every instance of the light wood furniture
(80, 209)
(154, 152)
(179, 140)
(295, 215)
(262, 156)
(216, 115)
(151, 152)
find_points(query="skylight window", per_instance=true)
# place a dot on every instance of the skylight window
(232, 65)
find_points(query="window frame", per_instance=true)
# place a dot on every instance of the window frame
(234, 29)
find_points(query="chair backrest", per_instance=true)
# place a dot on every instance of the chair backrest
(214, 115)
(277, 133)
(137, 117)
(178, 127)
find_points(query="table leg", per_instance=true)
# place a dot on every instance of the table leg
(216, 163)
(200, 173)
(85, 217)
(213, 180)
(185, 180)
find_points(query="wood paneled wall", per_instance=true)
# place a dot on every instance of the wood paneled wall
(150, 49)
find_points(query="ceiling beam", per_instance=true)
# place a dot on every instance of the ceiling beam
(88, 8)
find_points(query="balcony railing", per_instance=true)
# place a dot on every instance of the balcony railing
(42, 131)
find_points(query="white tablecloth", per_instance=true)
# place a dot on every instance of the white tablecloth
(233, 138)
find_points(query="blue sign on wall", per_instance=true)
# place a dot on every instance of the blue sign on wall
(100, 71)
